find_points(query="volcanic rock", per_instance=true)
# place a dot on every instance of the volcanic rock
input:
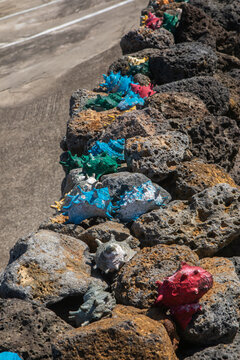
(104, 232)
(128, 335)
(218, 320)
(194, 176)
(178, 105)
(157, 156)
(46, 267)
(209, 90)
(28, 329)
(209, 222)
(135, 283)
(139, 39)
(183, 61)
(196, 25)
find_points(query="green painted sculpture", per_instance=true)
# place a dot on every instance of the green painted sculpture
(102, 103)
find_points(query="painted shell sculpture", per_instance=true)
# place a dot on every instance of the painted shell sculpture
(88, 204)
(182, 291)
(114, 148)
(130, 100)
(99, 165)
(143, 91)
(102, 103)
(110, 256)
(117, 83)
(152, 22)
(138, 201)
(71, 162)
(97, 303)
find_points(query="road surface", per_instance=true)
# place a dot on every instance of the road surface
(48, 49)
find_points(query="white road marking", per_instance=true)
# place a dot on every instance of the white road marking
(28, 10)
(66, 24)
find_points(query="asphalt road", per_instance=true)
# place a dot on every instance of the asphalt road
(37, 76)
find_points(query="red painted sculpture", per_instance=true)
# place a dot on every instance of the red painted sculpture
(153, 22)
(143, 91)
(181, 292)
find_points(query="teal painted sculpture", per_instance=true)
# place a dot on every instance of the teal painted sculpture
(88, 204)
(170, 22)
(97, 303)
(71, 162)
(99, 165)
(102, 103)
(114, 148)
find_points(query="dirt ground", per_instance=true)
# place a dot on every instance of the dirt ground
(37, 79)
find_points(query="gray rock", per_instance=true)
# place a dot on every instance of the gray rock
(28, 329)
(135, 283)
(208, 89)
(148, 121)
(97, 303)
(208, 223)
(218, 321)
(236, 263)
(47, 267)
(119, 183)
(183, 61)
(226, 12)
(156, 156)
(229, 351)
(139, 39)
(235, 172)
(196, 25)
(104, 232)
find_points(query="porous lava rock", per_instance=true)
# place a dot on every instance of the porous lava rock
(178, 105)
(183, 61)
(231, 79)
(236, 263)
(156, 156)
(51, 224)
(191, 177)
(104, 232)
(128, 335)
(145, 122)
(86, 126)
(135, 283)
(214, 94)
(214, 139)
(209, 222)
(121, 182)
(28, 329)
(221, 351)
(218, 321)
(235, 172)
(196, 25)
(46, 267)
(226, 12)
(141, 38)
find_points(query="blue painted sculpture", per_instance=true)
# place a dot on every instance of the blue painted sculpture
(88, 204)
(138, 201)
(97, 303)
(6, 355)
(114, 148)
(131, 99)
(117, 83)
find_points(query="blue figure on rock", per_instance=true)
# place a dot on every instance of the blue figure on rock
(6, 355)
(88, 204)
(114, 148)
(138, 201)
(117, 82)
(130, 100)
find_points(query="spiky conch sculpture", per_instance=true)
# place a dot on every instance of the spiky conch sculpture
(182, 291)
(97, 303)
(110, 256)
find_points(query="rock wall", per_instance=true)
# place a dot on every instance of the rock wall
(152, 180)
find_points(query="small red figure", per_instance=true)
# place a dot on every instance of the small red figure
(181, 292)
(153, 22)
(143, 91)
